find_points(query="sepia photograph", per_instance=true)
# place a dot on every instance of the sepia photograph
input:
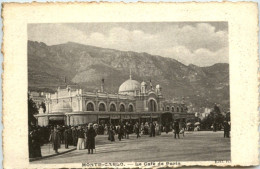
(128, 92)
(130, 85)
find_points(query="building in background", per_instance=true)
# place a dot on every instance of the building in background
(135, 102)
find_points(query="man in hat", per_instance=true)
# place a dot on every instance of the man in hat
(70, 138)
(152, 134)
(55, 139)
(176, 128)
(137, 130)
(120, 132)
(74, 136)
(66, 137)
(226, 129)
(91, 134)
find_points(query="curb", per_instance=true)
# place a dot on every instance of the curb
(52, 155)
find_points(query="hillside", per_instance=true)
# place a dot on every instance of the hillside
(86, 65)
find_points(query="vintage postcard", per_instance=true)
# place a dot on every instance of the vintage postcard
(114, 85)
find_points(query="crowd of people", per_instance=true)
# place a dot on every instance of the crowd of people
(83, 136)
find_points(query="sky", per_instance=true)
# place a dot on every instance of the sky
(199, 43)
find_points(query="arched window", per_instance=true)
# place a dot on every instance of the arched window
(181, 109)
(172, 109)
(130, 108)
(122, 108)
(152, 106)
(177, 109)
(112, 107)
(102, 107)
(167, 108)
(90, 107)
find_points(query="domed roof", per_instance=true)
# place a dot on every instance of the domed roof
(129, 85)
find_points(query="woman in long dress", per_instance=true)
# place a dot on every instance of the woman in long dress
(111, 133)
(81, 139)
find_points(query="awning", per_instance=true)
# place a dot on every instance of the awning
(145, 117)
(134, 117)
(115, 116)
(103, 116)
(125, 116)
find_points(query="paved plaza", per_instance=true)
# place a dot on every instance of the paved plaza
(195, 146)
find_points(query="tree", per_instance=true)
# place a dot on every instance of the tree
(32, 110)
(216, 109)
(215, 116)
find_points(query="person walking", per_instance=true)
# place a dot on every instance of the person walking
(74, 136)
(55, 139)
(176, 128)
(127, 130)
(120, 132)
(142, 128)
(70, 138)
(85, 134)
(81, 139)
(111, 132)
(137, 130)
(150, 129)
(66, 137)
(91, 134)
(153, 129)
(226, 129)
(34, 144)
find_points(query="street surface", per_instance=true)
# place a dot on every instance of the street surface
(195, 146)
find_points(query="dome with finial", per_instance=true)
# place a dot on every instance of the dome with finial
(129, 86)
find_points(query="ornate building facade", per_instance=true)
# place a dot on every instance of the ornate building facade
(134, 102)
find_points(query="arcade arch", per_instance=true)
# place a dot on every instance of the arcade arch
(112, 107)
(122, 108)
(90, 106)
(102, 106)
(130, 108)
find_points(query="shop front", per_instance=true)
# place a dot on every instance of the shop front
(135, 119)
(115, 119)
(125, 118)
(145, 118)
(155, 118)
(103, 119)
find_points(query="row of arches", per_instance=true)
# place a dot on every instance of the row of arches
(173, 109)
(90, 106)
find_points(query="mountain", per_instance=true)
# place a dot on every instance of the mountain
(85, 66)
